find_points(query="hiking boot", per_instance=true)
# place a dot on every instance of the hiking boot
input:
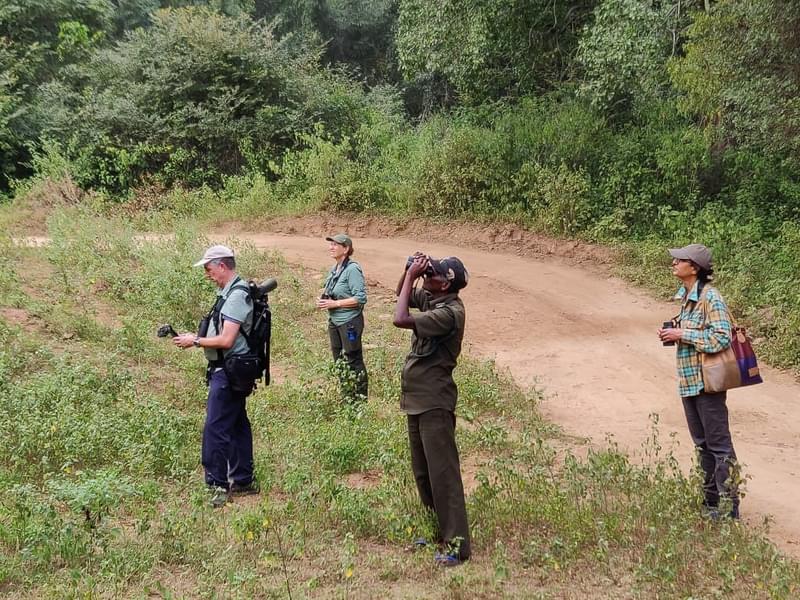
(417, 544)
(245, 489)
(446, 559)
(712, 513)
(219, 496)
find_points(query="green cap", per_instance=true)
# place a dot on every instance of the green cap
(342, 239)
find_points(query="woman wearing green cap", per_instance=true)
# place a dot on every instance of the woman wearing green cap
(344, 297)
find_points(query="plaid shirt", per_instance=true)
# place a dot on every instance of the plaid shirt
(706, 328)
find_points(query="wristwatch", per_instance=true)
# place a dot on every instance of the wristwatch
(196, 342)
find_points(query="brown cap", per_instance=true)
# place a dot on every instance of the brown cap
(697, 253)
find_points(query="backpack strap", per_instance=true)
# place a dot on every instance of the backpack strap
(216, 311)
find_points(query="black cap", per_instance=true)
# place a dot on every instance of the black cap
(452, 269)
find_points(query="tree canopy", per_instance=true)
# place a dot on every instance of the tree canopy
(190, 91)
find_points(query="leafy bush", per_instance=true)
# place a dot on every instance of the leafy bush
(193, 98)
(623, 53)
(455, 177)
(556, 199)
(490, 48)
(37, 37)
(79, 418)
(739, 73)
(328, 178)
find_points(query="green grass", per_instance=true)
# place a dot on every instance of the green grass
(102, 490)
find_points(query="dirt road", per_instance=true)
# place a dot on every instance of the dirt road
(588, 339)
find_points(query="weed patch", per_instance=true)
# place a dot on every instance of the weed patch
(104, 496)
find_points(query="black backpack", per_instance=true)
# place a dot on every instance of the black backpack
(258, 340)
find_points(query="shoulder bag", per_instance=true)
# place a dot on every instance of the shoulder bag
(736, 366)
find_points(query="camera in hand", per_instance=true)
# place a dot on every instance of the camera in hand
(667, 325)
(325, 297)
(166, 330)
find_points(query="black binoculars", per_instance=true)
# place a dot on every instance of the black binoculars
(429, 272)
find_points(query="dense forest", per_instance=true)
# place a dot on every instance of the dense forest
(635, 122)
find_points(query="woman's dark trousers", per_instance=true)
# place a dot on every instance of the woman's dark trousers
(346, 341)
(707, 417)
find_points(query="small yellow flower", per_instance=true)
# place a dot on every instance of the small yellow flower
(265, 523)
(68, 469)
(249, 536)
(348, 573)
(408, 530)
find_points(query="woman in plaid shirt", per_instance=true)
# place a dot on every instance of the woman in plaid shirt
(704, 325)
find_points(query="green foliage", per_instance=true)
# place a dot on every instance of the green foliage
(9, 109)
(75, 39)
(193, 80)
(37, 37)
(455, 174)
(490, 48)
(357, 34)
(80, 418)
(623, 53)
(360, 34)
(93, 495)
(11, 293)
(326, 177)
(740, 72)
(644, 172)
(557, 197)
(131, 14)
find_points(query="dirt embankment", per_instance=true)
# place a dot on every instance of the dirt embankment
(550, 313)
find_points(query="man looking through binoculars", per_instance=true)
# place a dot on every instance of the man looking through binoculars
(429, 394)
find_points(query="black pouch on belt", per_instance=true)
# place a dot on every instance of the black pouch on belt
(242, 371)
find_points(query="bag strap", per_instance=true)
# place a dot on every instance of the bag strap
(336, 276)
(704, 300)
